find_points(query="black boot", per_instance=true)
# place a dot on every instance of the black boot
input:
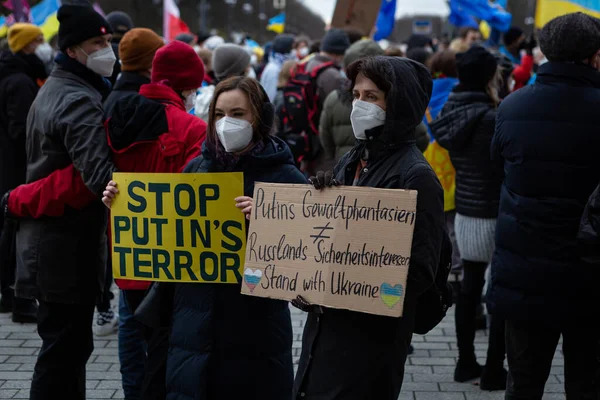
(467, 370)
(469, 298)
(494, 375)
(24, 311)
(493, 378)
(6, 302)
(467, 367)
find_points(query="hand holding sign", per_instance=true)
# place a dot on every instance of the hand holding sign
(245, 203)
(323, 179)
(109, 194)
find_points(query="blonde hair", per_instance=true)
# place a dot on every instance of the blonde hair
(285, 73)
(459, 46)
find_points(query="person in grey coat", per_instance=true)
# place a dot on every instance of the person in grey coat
(61, 260)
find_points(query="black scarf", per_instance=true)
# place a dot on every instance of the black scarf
(228, 162)
(101, 84)
(36, 66)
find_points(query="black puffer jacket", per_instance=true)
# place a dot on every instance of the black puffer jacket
(465, 127)
(356, 356)
(547, 137)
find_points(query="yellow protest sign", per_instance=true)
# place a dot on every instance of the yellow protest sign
(178, 227)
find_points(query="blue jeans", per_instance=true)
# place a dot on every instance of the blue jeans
(132, 351)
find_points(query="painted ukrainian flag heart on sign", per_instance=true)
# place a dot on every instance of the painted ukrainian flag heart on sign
(251, 278)
(391, 295)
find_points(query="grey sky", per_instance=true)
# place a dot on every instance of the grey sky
(434, 7)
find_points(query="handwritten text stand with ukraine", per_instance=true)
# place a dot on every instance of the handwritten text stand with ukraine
(345, 247)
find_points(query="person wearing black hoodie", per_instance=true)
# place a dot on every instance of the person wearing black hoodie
(465, 128)
(351, 355)
(22, 72)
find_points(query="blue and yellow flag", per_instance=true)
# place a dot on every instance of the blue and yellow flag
(550, 9)
(43, 15)
(277, 23)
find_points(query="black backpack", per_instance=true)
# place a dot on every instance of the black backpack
(300, 111)
(433, 305)
(588, 237)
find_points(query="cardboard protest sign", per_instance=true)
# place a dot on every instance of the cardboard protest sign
(346, 247)
(361, 15)
(178, 227)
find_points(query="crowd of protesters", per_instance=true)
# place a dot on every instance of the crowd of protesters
(496, 138)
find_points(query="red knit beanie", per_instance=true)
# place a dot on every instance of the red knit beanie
(177, 65)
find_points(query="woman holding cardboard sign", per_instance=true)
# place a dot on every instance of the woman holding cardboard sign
(225, 345)
(351, 355)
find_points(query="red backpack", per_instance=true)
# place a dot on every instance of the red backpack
(301, 112)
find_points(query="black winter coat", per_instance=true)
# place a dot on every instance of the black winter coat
(547, 136)
(18, 88)
(465, 128)
(348, 355)
(225, 345)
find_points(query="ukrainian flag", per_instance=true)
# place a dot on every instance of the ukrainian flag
(550, 9)
(277, 23)
(43, 15)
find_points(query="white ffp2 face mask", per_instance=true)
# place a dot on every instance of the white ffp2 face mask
(101, 61)
(44, 52)
(303, 52)
(234, 134)
(365, 116)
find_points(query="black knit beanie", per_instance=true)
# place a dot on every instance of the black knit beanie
(78, 24)
(570, 38)
(476, 67)
(283, 43)
(336, 42)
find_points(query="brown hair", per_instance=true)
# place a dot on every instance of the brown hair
(285, 73)
(443, 62)
(260, 107)
(206, 57)
(464, 32)
(393, 51)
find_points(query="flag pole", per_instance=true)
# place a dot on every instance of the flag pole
(166, 27)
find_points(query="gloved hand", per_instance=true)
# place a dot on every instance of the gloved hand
(302, 304)
(4, 205)
(323, 179)
(530, 44)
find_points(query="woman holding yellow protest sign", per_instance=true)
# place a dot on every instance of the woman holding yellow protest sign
(225, 345)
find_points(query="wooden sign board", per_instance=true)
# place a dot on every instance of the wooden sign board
(359, 14)
(346, 247)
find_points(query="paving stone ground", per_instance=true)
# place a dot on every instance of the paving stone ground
(428, 371)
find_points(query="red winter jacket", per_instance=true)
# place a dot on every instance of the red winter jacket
(147, 133)
(522, 73)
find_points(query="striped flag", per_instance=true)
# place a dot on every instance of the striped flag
(173, 25)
